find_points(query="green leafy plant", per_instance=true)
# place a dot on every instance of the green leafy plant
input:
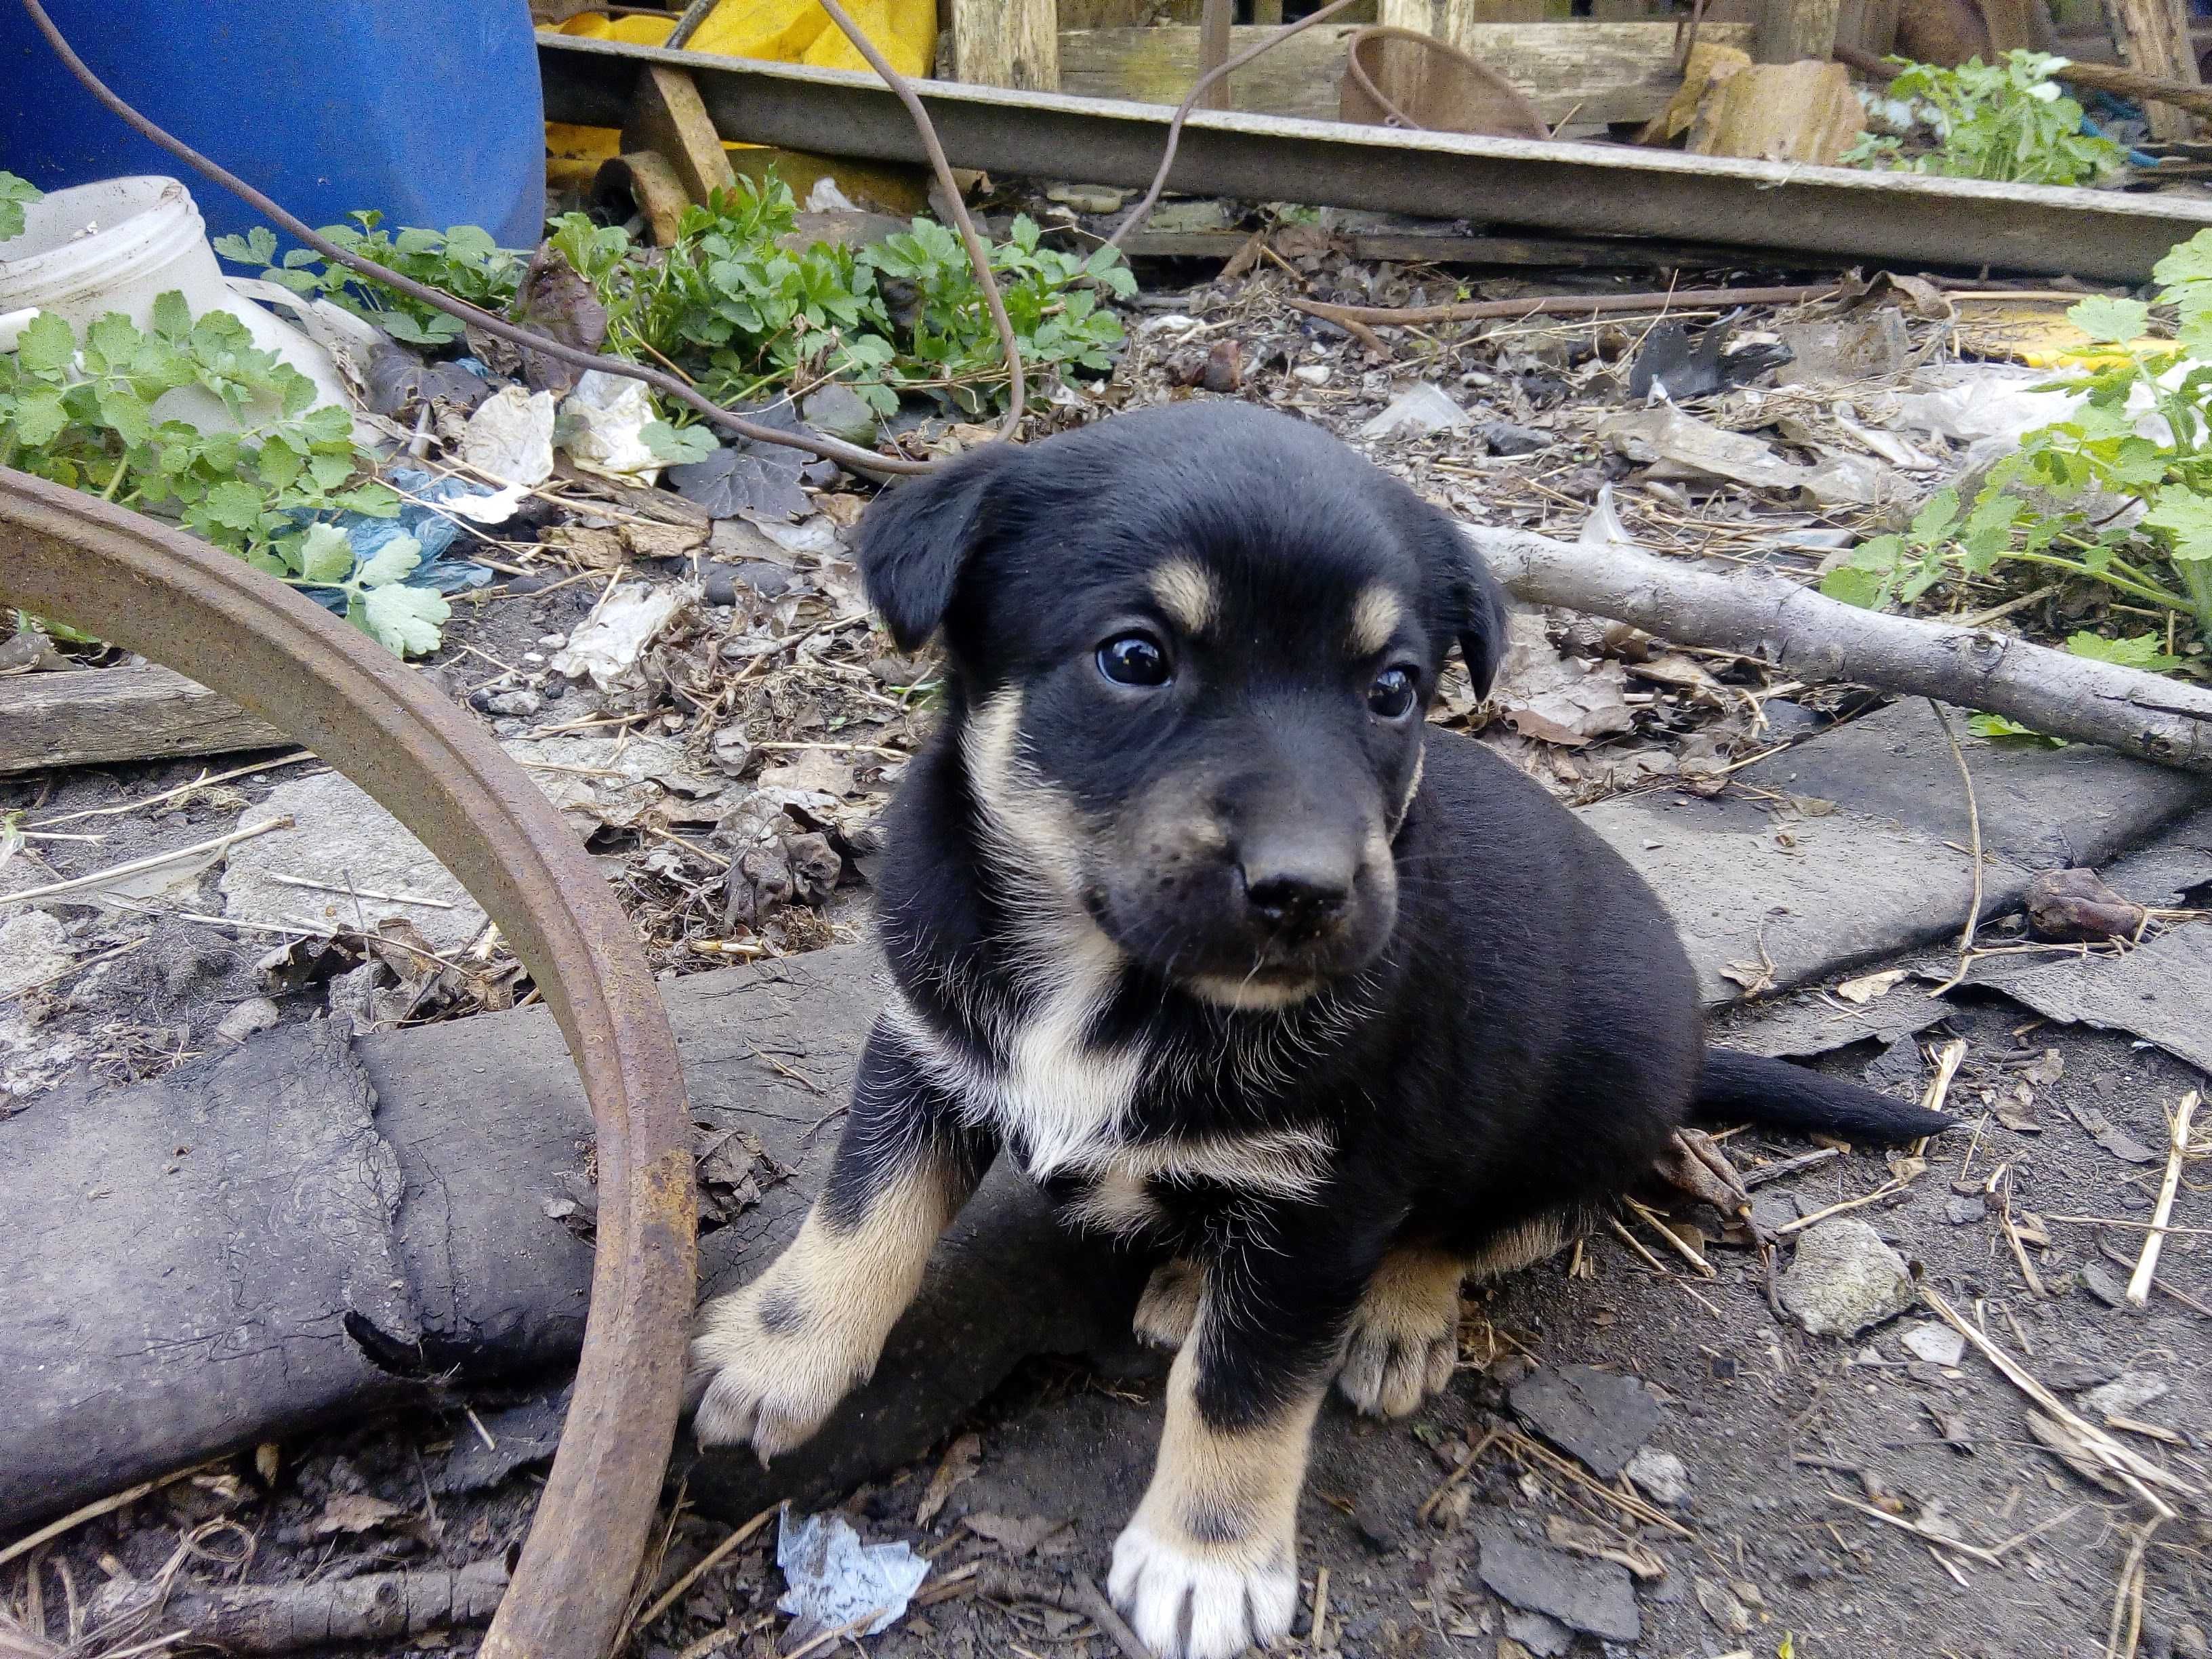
(2006, 121)
(2118, 494)
(15, 194)
(81, 411)
(464, 261)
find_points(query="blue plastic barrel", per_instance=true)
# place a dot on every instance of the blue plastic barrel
(428, 111)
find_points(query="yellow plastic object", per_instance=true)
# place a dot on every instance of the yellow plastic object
(788, 31)
(2036, 332)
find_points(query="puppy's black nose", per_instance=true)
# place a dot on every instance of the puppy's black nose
(1297, 899)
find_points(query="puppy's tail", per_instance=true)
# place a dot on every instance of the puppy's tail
(1776, 1095)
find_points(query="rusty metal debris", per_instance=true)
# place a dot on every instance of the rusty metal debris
(195, 609)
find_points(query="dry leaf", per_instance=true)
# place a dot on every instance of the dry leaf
(1016, 1534)
(355, 1511)
(1866, 986)
(959, 1465)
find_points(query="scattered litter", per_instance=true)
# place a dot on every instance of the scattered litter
(1675, 445)
(1417, 412)
(1602, 1419)
(1844, 1280)
(1543, 694)
(836, 1580)
(1596, 1597)
(622, 783)
(510, 437)
(1936, 1343)
(604, 649)
(1869, 345)
(1670, 368)
(602, 425)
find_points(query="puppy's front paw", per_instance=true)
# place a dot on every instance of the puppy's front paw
(1189, 1600)
(774, 1368)
(1404, 1337)
(1169, 1307)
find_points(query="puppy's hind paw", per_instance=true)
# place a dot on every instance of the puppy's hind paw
(1404, 1340)
(1169, 1307)
(1186, 1603)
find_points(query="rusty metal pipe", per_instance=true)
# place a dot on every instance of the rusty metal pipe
(197, 610)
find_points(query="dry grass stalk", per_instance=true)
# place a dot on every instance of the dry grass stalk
(2177, 1151)
(707, 1563)
(2136, 1472)
(1860, 1202)
(1927, 1534)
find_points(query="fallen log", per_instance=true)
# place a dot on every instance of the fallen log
(1791, 626)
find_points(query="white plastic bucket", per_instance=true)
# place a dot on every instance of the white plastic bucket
(119, 246)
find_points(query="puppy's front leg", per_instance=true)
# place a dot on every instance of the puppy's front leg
(1208, 1565)
(781, 1352)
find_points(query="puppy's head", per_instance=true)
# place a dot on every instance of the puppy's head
(1192, 649)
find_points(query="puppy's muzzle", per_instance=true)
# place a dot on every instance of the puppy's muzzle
(1296, 890)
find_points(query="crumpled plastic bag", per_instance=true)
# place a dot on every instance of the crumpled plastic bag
(433, 532)
(602, 422)
(835, 1579)
(510, 435)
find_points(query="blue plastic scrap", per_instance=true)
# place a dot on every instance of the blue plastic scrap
(433, 532)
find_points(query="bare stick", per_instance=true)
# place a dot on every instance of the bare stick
(1974, 851)
(977, 255)
(529, 339)
(1142, 210)
(140, 866)
(2139, 1472)
(2177, 1150)
(1459, 1472)
(1100, 1613)
(707, 1563)
(1761, 614)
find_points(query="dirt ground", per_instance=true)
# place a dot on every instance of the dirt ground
(1774, 1428)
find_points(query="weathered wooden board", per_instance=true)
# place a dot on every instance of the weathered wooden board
(104, 716)
(1614, 190)
(1590, 72)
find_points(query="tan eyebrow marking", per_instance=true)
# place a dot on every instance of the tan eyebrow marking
(1187, 594)
(1375, 617)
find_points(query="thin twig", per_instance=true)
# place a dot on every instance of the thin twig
(1100, 1613)
(141, 866)
(707, 1564)
(1974, 835)
(2177, 1150)
(97, 1507)
(1459, 1472)
(1805, 1221)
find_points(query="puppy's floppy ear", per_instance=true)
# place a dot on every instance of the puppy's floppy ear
(917, 535)
(1468, 599)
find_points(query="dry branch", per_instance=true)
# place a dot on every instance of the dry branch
(1759, 614)
(386, 1608)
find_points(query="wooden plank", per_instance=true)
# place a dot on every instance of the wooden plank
(1793, 31)
(1616, 190)
(104, 716)
(2154, 37)
(1007, 43)
(1448, 247)
(1594, 72)
(1452, 21)
(1213, 23)
(667, 120)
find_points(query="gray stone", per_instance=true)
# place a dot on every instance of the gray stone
(1599, 1417)
(514, 704)
(33, 949)
(1546, 1637)
(2123, 1396)
(1660, 1476)
(2101, 1282)
(1770, 1210)
(2069, 1375)
(1844, 1280)
(254, 1014)
(2189, 1641)
(1596, 1597)
(1937, 1344)
(1960, 1212)
(523, 1434)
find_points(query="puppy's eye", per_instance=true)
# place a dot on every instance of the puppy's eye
(1136, 660)
(1391, 696)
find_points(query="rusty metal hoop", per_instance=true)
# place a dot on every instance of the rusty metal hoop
(199, 610)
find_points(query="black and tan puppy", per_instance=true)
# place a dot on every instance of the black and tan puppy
(1190, 911)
